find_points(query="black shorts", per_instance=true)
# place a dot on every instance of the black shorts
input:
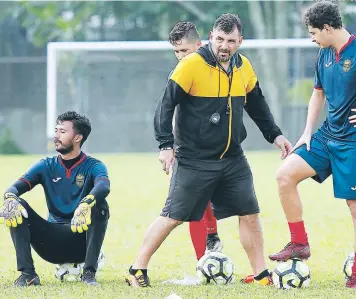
(227, 183)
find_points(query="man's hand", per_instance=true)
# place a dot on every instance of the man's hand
(352, 118)
(284, 145)
(82, 214)
(166, 157)
(12, 211)
(304, 139)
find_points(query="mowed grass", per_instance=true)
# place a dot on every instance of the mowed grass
(138, 191)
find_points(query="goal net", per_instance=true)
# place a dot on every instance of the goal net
(117, 85)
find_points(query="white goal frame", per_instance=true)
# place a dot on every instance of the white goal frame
(54, 47)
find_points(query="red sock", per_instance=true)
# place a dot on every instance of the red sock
(298, 233)
(198, 235)
(210, 220)
(354, 267)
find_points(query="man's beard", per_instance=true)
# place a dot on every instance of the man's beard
(225, 58)
(65, 149)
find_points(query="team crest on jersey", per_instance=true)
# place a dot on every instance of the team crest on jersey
(347, 65)
(79, 180)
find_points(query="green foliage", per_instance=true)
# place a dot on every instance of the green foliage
(301, 91)
(46, 20)
(8, 145)
(135, 20)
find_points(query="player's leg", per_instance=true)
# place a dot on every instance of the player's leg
(190, 185)
(351, 283)
(21, 238)
(213, 242)
(235, 196)
(297, 167)
(94, 240)
(343, 164)
(204, 234)
(198, 235)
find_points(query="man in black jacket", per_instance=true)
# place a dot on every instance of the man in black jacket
(210, 89)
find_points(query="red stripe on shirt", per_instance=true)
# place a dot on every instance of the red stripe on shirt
(28, 183)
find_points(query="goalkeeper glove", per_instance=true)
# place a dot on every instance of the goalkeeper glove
(12, 210)
(82, 214)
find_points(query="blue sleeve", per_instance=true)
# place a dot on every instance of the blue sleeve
(99, 172)
(19, 187)
(317, 82)
(34, 175)
(101, 187)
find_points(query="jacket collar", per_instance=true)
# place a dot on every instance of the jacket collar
(206, 53)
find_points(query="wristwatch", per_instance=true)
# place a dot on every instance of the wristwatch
(166, 148)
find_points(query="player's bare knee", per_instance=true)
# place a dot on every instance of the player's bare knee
(285, 178)
(173, 222)
(352, 207)
(250, 220)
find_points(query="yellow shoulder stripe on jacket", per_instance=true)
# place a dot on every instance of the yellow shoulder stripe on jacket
(183, 74)
(250, 73)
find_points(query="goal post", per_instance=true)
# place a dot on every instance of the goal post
(56, 49)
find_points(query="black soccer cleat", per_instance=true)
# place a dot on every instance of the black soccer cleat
(89, 278)
(213, 243)
(26, 280)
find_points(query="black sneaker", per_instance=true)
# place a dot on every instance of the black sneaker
(213, 243)
(89, 278)
(26, 280)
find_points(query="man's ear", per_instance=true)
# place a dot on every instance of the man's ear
(328, 28)
(78, 138)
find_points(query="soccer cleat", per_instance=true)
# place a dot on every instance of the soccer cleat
(89, 278)
(213, 243)
(248, 279)
(26, 280)
(351, 282)
(265, 281)
(138, 278)
(292, 251)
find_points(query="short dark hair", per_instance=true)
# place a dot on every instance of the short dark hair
(182, 30)
(323, 13)
(81, 124)
(227, 22)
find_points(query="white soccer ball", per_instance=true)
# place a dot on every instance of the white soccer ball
(215, 267)
(291, 274)
(349, 261)
(69, 272)
(73, 272)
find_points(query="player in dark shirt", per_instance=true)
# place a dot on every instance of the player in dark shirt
(75, 187)
(331, 150)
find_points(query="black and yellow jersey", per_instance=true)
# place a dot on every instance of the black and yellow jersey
(210, 104)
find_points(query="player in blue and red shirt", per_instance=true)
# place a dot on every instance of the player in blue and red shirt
(332, 149)
(75, 187)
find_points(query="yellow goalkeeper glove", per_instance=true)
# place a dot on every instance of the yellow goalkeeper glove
(12, 211)
(82, 214)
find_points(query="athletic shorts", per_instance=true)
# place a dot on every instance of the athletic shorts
(227, 183)
(328, 157)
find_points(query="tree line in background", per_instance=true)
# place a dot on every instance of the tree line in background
(146, 20)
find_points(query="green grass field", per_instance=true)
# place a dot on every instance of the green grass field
(138, 191)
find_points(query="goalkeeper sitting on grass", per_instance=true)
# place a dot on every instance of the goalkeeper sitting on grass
(75, 187)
